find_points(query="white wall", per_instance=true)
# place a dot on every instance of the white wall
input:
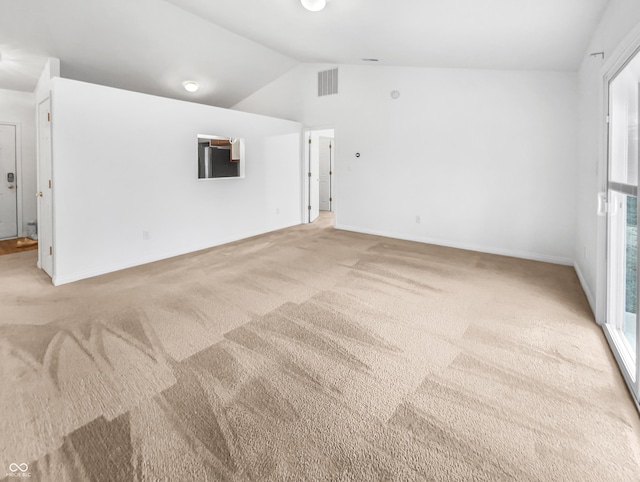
(486, 159)
(18, 107)
(619, 19)
(125, 162)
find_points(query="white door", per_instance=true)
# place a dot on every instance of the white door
(326, 150)
(8, 186)
(314, 184)
(45, 213)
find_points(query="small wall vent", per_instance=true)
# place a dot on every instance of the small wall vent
(328, 82)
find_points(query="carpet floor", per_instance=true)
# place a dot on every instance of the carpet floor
(311, 354)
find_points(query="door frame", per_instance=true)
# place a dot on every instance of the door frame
(329, 164)
(306, 132)
(42, 248)
(621, 56)
(19, 185)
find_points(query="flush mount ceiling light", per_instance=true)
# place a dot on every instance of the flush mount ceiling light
(190, 85)
(314, 5)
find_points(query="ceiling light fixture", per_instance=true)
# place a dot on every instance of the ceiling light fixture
(190, 85)
(314, 5)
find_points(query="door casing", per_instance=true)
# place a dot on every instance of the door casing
(306, 158)
(45, 186)
(325, 147)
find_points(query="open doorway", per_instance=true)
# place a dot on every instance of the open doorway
(319, 185)
(12, 232)
(8, 182)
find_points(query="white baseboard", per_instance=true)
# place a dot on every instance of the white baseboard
(470, 247)
(585, 288)
(70, 278)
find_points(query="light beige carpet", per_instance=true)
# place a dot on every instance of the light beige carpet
(311, 354)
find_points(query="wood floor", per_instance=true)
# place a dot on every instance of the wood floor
(10, 246)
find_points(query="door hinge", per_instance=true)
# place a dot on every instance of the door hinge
(330, 146)
(330, 199)
(309, 140)
(309, 174)
(49, 183)
(50, 250)
(308, 208)
(331, 173)
(48, 116)
(608, 119)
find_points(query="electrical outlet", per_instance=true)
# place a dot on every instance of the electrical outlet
(417, 219)
(146, 236)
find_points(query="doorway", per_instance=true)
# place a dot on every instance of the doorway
(621, 324)
(320, 174)
(8, 182)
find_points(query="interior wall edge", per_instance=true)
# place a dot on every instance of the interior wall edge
(156, 213)
(585, 287)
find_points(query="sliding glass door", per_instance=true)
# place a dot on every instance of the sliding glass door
(622, 242)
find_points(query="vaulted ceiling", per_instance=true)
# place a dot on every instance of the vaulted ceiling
(234, 47)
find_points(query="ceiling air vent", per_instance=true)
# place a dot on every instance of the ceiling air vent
(328, 82)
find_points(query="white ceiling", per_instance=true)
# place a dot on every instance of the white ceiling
(142, 45)
(234, 47)
(486, 34)
(20, 68)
